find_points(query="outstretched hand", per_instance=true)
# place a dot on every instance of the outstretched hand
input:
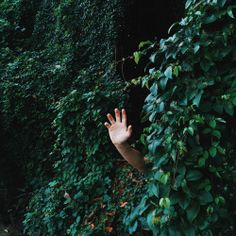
(118, 131)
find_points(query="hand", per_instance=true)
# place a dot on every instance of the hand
(118, 131)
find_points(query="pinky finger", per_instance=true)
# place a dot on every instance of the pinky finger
(107, 125)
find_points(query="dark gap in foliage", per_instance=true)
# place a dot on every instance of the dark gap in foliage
(142, 22)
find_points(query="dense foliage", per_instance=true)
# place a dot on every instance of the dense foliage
(57, 83)
(58, 80)
(191, 138)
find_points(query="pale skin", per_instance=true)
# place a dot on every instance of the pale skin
(119, 134)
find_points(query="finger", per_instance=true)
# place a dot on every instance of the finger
(129, 130)
(117, 114)
(107, 125)
(110, 118)
(124, 117)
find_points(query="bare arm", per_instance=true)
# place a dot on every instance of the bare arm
(119, 134)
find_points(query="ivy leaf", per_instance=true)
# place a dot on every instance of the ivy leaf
(213, 151)
(163, 82)
(197, 99)
(230, 13)
(201, 162)
(234, 101)
(153, 57)
(154, 189)
(144, 43)
(153, 146)
(188, 3)
(196, 48)
(150, 221)
(193, 175)
(154, 89)
(133, 228)
(221, 2)
(216, 133)
(212, 124)
(168, 72)
(161, 107)
(164, 202)
(176, 71)
(205, 197)
(137, 56)
(189, 231)
(229, 109)
(192, 211)
(184, 202)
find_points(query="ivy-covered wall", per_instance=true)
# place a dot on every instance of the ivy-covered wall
(190, 138)
(58, 80)
(60, 74)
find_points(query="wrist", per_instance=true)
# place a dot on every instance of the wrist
(122, 146)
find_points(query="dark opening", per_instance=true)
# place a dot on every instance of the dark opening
(143, 20)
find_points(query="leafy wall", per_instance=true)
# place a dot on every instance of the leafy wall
(58, 80)
(57, 83)
(191, 137)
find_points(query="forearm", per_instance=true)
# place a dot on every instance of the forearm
(132, 156)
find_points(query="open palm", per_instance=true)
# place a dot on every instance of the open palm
(118, 131)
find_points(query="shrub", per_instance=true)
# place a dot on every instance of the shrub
(191, 133)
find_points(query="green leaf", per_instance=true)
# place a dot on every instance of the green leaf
(230, 13)
(133, 228)
(164, 202)
(161, 107)
(163, 82)
(197, 99)
(153, 57)
(193, 175)
(192, 211)
(213, 151)
(176, 71)
(189, 231)
(154, 189)
(184, 202)
(234, 101)
(196, 48)
(221, 2)
(201, 162)
(205, 197)
(229, 109)
(137, 56)
(216, 133)
(154, 89)
(188, 4)
(144, 43)
(221, 150)
(164, 178)
(150, 220)
(190, 130)
(153, 145)
(168, 72)
(212, 124)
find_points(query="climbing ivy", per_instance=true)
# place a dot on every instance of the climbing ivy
(58, 81)
(190, 111)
